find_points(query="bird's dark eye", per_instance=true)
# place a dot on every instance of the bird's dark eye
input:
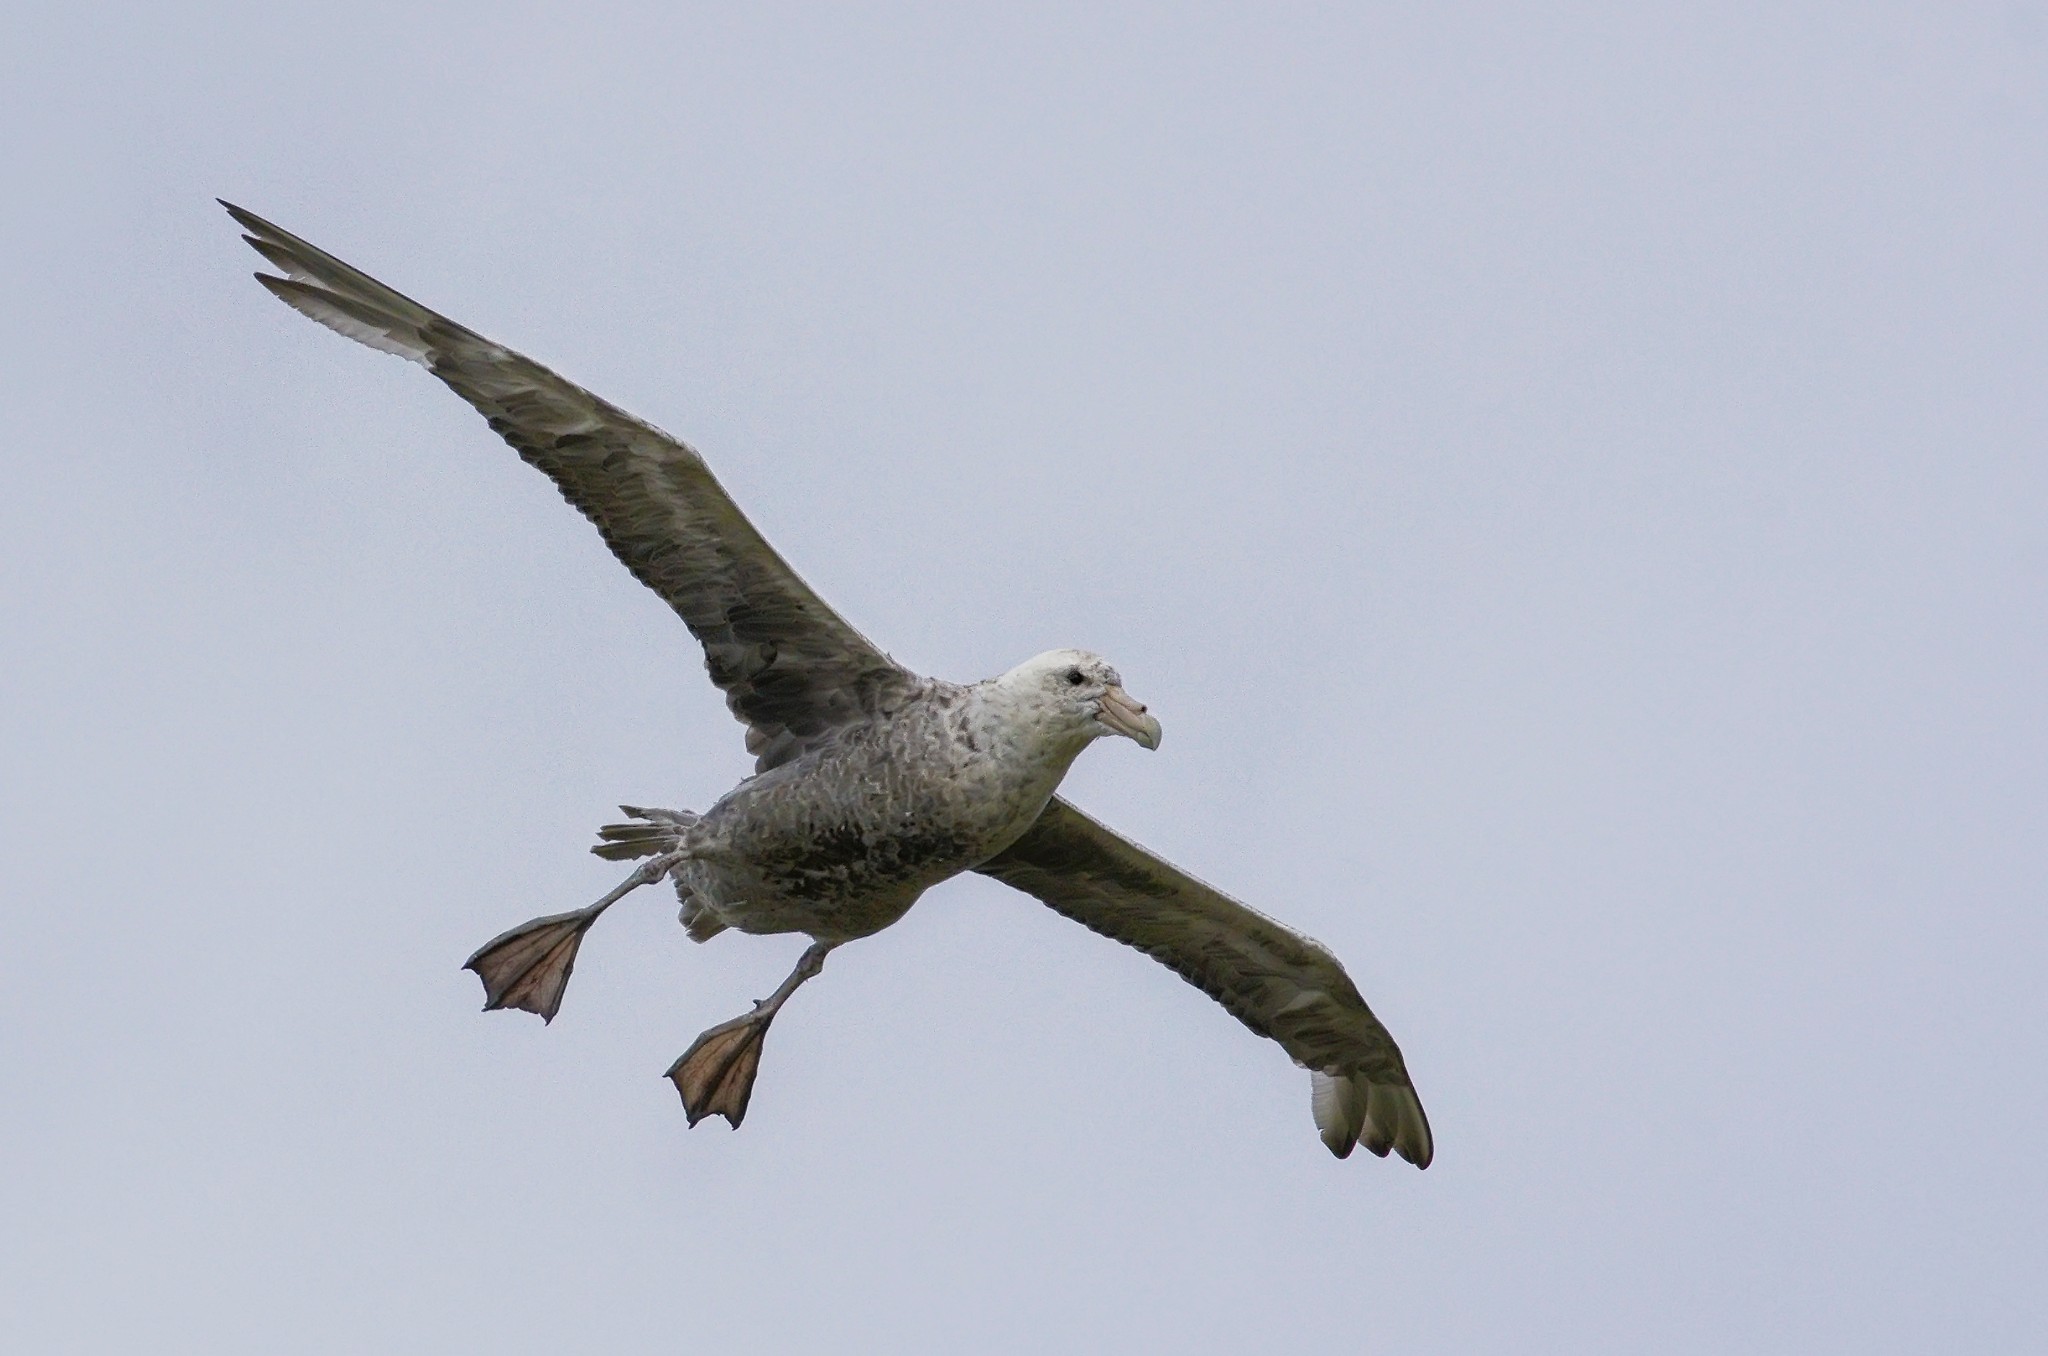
(1074, 677)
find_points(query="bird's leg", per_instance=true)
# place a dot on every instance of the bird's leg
(528, 967)
(716, 1074)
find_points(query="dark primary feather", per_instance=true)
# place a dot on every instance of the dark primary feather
(791, 668)
(1277, 982)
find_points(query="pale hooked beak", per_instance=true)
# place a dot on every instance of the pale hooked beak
(1128, 718)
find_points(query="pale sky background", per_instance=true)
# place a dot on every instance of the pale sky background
(1571, 480)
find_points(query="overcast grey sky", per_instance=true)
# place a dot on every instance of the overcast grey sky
(1571, 480)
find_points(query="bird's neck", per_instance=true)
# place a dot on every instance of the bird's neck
(1024, 733)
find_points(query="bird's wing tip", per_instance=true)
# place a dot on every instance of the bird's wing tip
(1351, 1109)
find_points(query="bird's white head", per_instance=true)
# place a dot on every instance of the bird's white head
(1081, 694)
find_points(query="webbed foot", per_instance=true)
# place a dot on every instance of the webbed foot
(528, 967)
(716, 1074)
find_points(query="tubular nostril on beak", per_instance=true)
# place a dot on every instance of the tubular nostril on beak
(1120, 713)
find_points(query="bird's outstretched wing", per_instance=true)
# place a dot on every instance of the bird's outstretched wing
(790, 667)
(1276, 981)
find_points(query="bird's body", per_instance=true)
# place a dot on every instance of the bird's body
(872, 784)
(839, 842)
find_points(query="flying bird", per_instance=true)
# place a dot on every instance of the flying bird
(872, 783)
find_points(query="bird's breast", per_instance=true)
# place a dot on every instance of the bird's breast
(859, 829)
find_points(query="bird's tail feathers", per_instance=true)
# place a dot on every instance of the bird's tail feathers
(653, 831)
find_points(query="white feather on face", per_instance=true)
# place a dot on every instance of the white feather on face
(1076, 695)
(1066, 674)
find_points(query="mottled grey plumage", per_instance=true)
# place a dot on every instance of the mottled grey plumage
(872, 783)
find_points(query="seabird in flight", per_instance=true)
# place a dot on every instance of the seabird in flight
(872, 783)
